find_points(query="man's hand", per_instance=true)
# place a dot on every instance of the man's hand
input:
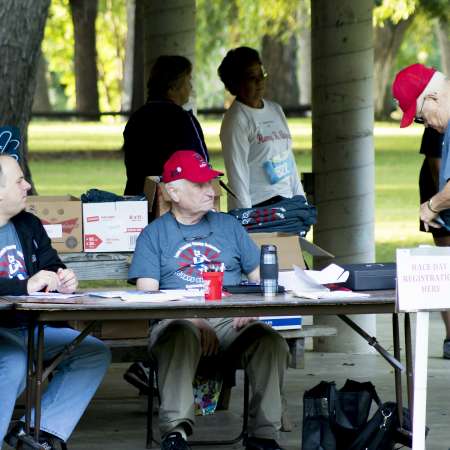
(427, 216)
(209, 341)
(44, 279)
(68, 282)
(241, 322)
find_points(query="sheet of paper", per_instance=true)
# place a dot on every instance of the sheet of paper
(107, 294)
(330, 274)
(140, 296)
(330, 295)
(185, 292)
(297, 280)
(50, 295)
(153, 297)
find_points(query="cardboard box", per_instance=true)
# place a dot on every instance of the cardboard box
(115, 329)
(288, 246)
(283, 322)
(113, 226)
(159, 200)
(62, 219)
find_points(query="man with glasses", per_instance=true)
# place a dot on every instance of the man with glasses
(170, 253)
(423, 95)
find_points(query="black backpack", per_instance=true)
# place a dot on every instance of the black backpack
(339, 419)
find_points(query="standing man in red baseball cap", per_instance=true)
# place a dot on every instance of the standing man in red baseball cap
(423, 95)
(171, 253)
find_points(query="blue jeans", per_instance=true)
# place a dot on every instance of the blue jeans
(74, 381)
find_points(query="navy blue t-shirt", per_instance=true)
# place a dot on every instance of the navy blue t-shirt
(176, 254)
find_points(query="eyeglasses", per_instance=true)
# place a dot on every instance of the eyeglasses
(255, 78)
(418, 118)
(194, 238)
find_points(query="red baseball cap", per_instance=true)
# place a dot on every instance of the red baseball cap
(188, 165)
(409, 83)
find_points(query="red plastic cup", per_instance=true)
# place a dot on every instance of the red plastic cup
(213, 285)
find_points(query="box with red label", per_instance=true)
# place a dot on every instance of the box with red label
(61, 217)
(113, 226)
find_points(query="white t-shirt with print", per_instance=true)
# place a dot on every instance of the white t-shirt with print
(257, 150)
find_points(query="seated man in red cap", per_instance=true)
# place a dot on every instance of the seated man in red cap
(423, 95)
(170, 254)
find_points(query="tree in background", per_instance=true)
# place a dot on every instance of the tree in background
(270, 27)
(22, 25)
(404, 34)
(133, 93)
(111, 35)
(392, 19)
(84, 13)
(41, 101)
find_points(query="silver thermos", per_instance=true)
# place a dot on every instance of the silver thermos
(268, 268)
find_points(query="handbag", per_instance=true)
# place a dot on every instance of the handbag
(339, 419)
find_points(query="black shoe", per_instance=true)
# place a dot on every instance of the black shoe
(254, 443)
(47, 441)
(15, 430)
(138, 375)
(174, 441)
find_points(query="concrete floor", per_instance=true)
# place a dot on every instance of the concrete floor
(116, 417)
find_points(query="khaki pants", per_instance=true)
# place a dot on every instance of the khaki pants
(261, 351)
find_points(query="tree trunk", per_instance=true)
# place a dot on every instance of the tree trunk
(280, 60)
(304, 52)
(22, 25)
(84, 13)
(343, 154)
(387, 41)
(133, 79)
(443, 35)
(41, 100)
(169, 29)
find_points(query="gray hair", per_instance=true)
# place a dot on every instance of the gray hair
(2, 171)
(175, 185)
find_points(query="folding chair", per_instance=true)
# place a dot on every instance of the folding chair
(151, 393)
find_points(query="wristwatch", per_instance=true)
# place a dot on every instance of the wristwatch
(430, 206)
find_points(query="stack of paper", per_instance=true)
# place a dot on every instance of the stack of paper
(309, 283)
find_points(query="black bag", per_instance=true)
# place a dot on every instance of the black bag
(339, 419)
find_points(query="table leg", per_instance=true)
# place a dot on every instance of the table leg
(29, 404)
(420, 380)
(397, 371)
(38, 392)
(409, 364)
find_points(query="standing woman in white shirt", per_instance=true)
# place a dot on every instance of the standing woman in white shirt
(256, 141)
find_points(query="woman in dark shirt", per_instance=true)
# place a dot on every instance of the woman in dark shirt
(161, 126)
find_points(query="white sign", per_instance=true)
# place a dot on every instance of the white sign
(423, 278)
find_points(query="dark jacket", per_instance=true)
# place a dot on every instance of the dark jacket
(152, 134)
(37, 252)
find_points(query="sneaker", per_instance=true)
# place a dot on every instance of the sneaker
(254, 443)
(138, 375)
(446, 349)
(174, 441)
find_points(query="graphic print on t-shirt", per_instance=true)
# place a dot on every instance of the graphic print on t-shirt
(193, 259)
(12, 264)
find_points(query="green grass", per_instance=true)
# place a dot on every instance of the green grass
(396, 157)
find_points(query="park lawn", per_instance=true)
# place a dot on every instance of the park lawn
(397, 163)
